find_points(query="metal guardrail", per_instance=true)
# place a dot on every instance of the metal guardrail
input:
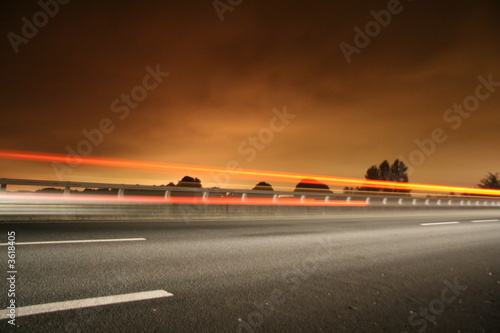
(371, 199)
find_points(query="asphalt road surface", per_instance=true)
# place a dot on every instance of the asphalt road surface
(361, 273)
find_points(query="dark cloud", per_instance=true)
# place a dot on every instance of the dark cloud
(226, 78)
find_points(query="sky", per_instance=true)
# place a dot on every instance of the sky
(318, 87)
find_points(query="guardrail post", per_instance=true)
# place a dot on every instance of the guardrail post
(121, 193)
(414, 202)
(348, 200)
(384, 202)
(327, 198)
(367, 201)
(427, 202)
(167, 195)
(438, 202)
(204, 197)
(302, 198)
(244, 197)
(400, 201)
(275, 198)
(450, 202)
(66, 190)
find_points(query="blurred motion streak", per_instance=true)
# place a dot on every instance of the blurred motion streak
(247, 173)
(17, 199)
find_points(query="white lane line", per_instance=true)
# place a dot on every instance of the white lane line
(439, 223)
(485, 221)
(85, 303)
(79, 241)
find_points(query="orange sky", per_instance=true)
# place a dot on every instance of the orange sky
(228, 80)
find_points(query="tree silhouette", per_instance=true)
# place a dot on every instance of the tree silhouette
(491, 181)
(373, 173)
(188, 181)
(387, 172)
(50, 190)
(263, 186)
(312, 185)
(350, 190)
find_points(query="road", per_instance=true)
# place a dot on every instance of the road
(410, 272)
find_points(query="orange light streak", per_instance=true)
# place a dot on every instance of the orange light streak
(248, 173)
(23, 198)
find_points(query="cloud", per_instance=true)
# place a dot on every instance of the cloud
(226, 77)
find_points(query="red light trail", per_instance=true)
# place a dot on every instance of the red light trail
(23, 198)
(246, 173)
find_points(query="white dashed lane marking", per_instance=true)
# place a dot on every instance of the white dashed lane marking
(78, 241)
(84, 303)
(439, 223)
(456, 222)
(485, 221)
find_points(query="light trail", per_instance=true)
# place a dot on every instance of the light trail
(259, 174)
(17, 199)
